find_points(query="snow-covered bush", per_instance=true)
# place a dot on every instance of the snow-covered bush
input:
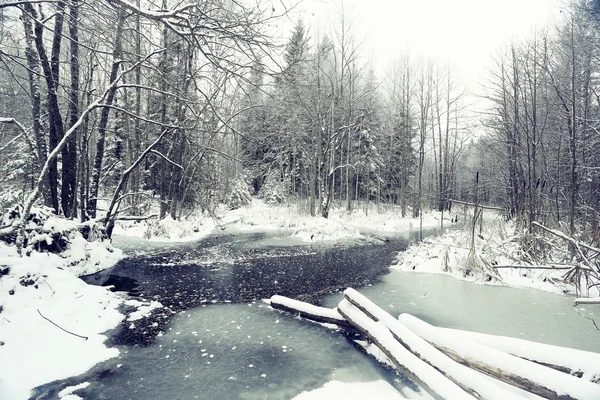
(168, 228)
(239, 194)
(274, 191)
(43, 230)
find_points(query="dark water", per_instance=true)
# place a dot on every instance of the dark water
(228, 272)
(212, 292)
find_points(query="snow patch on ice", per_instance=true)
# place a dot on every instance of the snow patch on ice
(143, 309)
(377, 390)
(70, 389)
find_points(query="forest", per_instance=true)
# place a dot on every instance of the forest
(178, 175)
(112, 109)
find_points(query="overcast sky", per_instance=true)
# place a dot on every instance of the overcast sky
(464, 32)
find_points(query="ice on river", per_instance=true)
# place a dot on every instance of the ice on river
(245, 351)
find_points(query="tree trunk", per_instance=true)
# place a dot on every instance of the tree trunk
(50, 72)
(69, 152)
(33, 70)
(102, 125)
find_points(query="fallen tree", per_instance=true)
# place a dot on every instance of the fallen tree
(309, 311)
(463, 376)
(531, 377)
(579, 363)
(453, 364)
(420, 372)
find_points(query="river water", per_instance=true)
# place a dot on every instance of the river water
(221, 341)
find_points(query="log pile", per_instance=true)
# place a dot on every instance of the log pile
(454, 364)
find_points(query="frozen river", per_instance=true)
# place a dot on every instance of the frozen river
(224, 342)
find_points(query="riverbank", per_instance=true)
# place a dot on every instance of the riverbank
(41, 298)
(290, 219)
(487, 259)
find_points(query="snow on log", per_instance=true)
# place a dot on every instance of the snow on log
(468, 379)
(309, 311)
(586, 300)
(534, 378)
(420, 372)
(582, 364)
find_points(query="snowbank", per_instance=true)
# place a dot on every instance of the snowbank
(290, 219)
(167, 229)
(386, 220)
(451, 254)
(378, 390)
(44, 287)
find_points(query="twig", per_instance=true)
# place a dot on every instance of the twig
(591, 319)
(48, 286)
(533, 267)
(60, 327)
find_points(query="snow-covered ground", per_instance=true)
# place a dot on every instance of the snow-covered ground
(41, 298)
(44, 287)
(290, 219)
(377, 390)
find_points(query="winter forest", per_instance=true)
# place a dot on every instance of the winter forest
(119, 116)
(189, 106)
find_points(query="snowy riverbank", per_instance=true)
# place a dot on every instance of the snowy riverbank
(44, 287)
(495, 250)
(290, 219)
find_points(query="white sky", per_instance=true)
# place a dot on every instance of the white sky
(464, 32)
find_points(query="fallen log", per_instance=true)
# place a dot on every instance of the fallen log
(529, 376)
(587, 300)
(417, 370)
(579, 363)
(468, 379)
(310, 311)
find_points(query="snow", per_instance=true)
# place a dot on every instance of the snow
(35, 351)
(143, 309)
(377, 390)
(70, 389)
(450, 254)
(167, 229)
(463, 376)
(556, 381)
(387, 343)
(291, 219)
(585, 362)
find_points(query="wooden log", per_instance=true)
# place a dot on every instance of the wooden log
(417, 370)
(586, 300)
(468, 379)
(478, 205)
(579, 363)
(310, 311)
(531, 377)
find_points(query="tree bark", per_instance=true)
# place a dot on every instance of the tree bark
(102, 125)
(69, 152)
